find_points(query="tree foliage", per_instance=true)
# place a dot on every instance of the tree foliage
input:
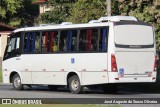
(9, 7)
(22, 12)
(76, 11)
(59, 13)
(145, 10)
(17, 12)
(85, 10)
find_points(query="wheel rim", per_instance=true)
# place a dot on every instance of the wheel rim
(75, 84)
(17, 82)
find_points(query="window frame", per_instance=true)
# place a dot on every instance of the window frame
(23, 40)
(77, 41)
(12, 35)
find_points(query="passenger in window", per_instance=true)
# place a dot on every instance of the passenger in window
(55, 46)
(37, 47)
(44, 49)
(80, 44)
(73, 45)
(65, 45)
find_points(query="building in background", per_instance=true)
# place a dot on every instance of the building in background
(5, 30)
(43, 7)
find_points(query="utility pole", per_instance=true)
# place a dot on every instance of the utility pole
(108, 7)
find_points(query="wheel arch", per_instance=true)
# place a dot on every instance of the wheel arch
(70, 74)
(12, 74)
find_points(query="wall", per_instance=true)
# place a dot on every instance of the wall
(3, 42)
(44, 8)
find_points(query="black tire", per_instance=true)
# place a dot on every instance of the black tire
(16, 82)
(75, 85)
(109, 88)
(53, 87)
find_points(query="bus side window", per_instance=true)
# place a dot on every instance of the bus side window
(27, 42)
(82, 40)
(37, 43)
(31, 42)
(73, 41)
(49, 41)
(88, 40)
(68, 41)
(54, 41)
(94, 41)
(63, 40)
(44, 41)
(103, 40)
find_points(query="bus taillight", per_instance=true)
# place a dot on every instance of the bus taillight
(155, 64)
(113, 63)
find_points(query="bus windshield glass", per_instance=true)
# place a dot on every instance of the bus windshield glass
(13, 46)
(132, 35)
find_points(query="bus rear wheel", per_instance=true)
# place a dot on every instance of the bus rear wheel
(75, 85)
(16, 82)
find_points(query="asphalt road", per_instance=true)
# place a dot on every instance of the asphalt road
(7, 91)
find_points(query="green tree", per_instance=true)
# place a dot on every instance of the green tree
(145, 10)
(9, 8)
(59, 12)
(85, 10)
(82, 11)
(18, 12)
(76, 11)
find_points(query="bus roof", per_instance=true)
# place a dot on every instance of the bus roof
(71, 26)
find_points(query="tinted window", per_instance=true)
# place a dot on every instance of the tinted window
(32, 42)
(93, 40)
(49, 41)
(68, 41)
(103, 39)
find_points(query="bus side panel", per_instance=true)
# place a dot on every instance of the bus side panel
(15, 65)
(45, 68)
(94, 68)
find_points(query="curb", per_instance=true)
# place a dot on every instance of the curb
(5, 84)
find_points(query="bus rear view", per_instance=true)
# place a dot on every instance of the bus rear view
(135, 55)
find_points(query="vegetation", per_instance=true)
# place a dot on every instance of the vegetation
(59, 13)
(18, 13)
(76, 11)
(0, 75)
(84, 10)
(22, 12)
(145, 10)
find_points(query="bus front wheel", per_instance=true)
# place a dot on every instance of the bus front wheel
(16, 82)
(75, 85)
